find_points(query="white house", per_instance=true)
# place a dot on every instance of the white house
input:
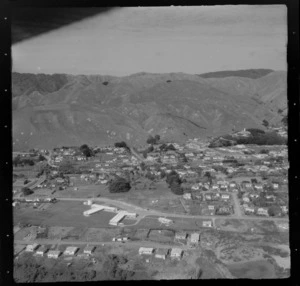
(187, 196)
(146, 250)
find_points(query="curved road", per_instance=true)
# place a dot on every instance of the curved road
(145, 212)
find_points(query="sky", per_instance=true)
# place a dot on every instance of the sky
(189, 39)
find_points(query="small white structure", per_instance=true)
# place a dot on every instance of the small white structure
(146, 250)
(207, 223)
(211, 207)
(70, 250)
(187, 196)
(176, 253)
(165, 220)
(31, 247)
(53, 254)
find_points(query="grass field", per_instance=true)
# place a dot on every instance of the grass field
(178, 223)
(63, 214)
(253, 270)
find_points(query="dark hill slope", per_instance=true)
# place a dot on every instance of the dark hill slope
(55, 110)
(249, 73)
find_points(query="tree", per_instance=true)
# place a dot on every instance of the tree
(145, 154)
(41, 158)
(173, 177)
(151, 140)
(86, 151)
(274, 211)
(265, 123)
(150, 149)
(157, 138)
(176, 188)
(121, 144)
(284, 120)
(26, 191)
(119, 185)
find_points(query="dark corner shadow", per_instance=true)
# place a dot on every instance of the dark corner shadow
(28, 22)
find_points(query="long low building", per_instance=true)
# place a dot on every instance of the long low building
(92, 210)
(121, 215)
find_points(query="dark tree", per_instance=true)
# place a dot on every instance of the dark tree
(265, 123)
(26, 191)
(121, 144)
(86, 151)
(157, 138)
(119, 185)
(176, 188)
(151, 140)
(150, 149)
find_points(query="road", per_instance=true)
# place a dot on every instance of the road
(116, 243)
(145, 212)
(237, 208)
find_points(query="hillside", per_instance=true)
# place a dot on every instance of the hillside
(250, 73)
(56, 110)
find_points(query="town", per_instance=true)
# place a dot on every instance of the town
(163, 204)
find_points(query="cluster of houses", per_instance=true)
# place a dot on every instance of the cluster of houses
(51, 252)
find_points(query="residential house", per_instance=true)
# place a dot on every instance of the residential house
(249, 210)
(262, 211)
(176, 253)
(187, 196)
(32, 247)
(207, 223)
(195, 237)
(211, 207)
(181, 235)
(146, 250)
(161, 253)
(246, 199)
(225, 196)
(41, 251)
(53, 254)
(70, 250)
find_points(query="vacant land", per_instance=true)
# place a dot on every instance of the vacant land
(63, 213)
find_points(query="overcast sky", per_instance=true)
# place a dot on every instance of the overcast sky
(160, 40)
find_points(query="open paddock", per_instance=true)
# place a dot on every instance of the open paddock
(63, 213)
(261, 269)
(151, 222)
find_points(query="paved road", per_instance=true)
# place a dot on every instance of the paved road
(145, 212)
